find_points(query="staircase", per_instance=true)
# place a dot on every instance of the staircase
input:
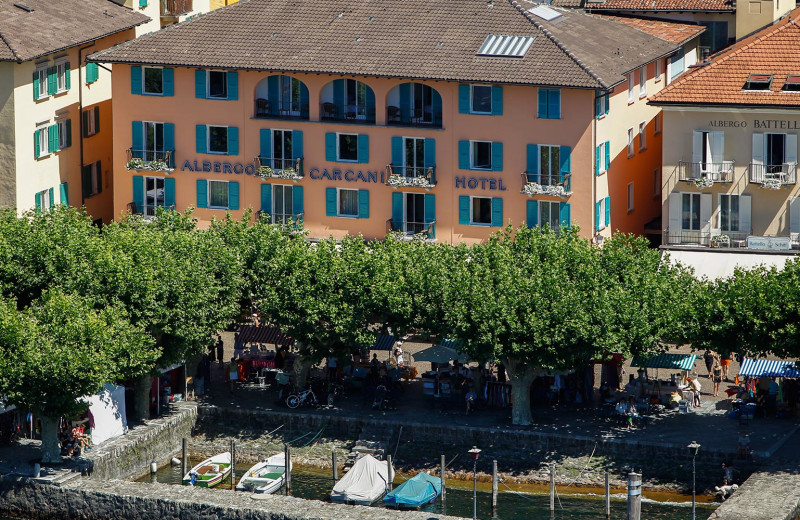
(373, 440)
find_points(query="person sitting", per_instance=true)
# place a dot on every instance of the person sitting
(631, 413)
(743, 445)
(621, 412)
(470, 398)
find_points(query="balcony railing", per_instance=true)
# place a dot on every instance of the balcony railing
(346, 113)
(411, 176)
(155, 160)
(414, 117)
(705, 238)
(279, 167)
(269, 109)
(175, 7)
(412, 229)
(544, 184)
(706, 171)
(773, 175)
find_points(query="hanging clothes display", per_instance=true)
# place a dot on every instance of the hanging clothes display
(497, 395)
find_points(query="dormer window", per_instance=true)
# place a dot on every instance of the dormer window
(792, 83)
(758, 82)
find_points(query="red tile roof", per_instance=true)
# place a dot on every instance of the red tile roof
(673, 32)
(774, 51)
(663, 5)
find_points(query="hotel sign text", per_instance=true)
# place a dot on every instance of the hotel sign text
(767, 124)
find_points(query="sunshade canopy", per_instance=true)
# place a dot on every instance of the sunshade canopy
(768, 368)
(671, 361)
(269, 335)
(384, 342)
(439, 354)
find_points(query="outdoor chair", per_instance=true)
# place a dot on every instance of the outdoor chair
(262, 107)
(393, 114)
(328, 110)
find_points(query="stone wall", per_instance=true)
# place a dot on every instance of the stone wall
(89, 499)
(770, 494)
(129, 456)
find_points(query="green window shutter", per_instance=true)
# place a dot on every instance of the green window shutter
(96, 120)
(35, 85)
(52, 84)
(463, 155)
(136, 80)
(200, 138)
(597, 216)
(363, 148)
(137, 136)
(297, 200)
(397, 151)
(52, 137)
(265, 143)
(363, 203)
(169, 141)
(233, 85)
(233, 195)
(202, 193)
(597, 160)
(274, 94)
(85, 118)
(405, 102)
(597, 104)
(138, 192)
(565, 166)
(142, 4)
(86, 181)
(92, 73)
(397, 209)
(169, 192)
(330, 202)
(608, 211)
(52, 194)
(68, 130)
(37, 152)
(266, 198)
(532, 162)
(200, 84)
(564, 214)
(63, 188)
(233, 140)
(297, 144)
(463, 99)
(168, 80)
(608, 155)
(99, 169)
(463, 210)
(532, 209)
(67, 76)
(338, 95)
(430, 207)
(38, 201)
(430, 152)
(497, 157)
(497, 212)
(330, 146)
(542, 105)
(554, 104)
(497, 100)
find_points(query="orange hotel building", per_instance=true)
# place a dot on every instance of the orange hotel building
(449, 118)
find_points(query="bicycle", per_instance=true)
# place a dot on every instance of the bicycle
(305, 397)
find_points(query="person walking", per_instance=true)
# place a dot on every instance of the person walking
(708, 357)
(717, 378)
(398, 354)
(725, 362)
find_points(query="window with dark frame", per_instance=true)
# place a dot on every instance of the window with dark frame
(153, 80)
(218, 139)
(758, 82)
(348, 147)
(481, 210)
(482, 155)
(217, 84)
(481, 99)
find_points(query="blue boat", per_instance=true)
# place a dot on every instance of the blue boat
(414, 492)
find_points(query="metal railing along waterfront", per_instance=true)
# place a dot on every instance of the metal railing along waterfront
(782, 174)
(715, 172)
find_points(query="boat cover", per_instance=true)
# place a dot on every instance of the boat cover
(364, 483)
(416, 491)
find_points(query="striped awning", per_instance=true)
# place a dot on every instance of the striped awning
(451, 343)
(384, 342)
(768, 368)
(269, 335)
(671, 361)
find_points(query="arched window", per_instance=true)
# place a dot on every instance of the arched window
(414, 104)
(347, 100)
(281, 97)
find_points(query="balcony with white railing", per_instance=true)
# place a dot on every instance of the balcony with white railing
(706, 174)
(150, 160)
(409, 229)
(556, 185)
(400, 176)
(773, 176)
(279, 168)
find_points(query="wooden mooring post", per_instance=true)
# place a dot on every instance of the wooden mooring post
(287, 454)
(494, 486)
(335, 466)
(184, 457)
(634, 496)
(233, 465)
(552, 489)
(391, 471)
(443, 463)
(608, 497)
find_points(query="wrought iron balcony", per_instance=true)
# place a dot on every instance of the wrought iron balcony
(269, 109)
(411, 229)
(544, 184)
(347, 113)
(705, 172)
(414, 117)
(410, 176)
(154, 160)
(773, 175)
(279, 168)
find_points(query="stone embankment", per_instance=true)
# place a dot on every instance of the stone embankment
(770, 494)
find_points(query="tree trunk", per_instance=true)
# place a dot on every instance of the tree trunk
(141, 398)
(301, 367)
(521, 378)
(51, 448)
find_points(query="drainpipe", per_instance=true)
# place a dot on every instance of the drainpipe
(80, 112)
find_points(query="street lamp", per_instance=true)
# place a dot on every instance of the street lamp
(475, 453)
(693, 449)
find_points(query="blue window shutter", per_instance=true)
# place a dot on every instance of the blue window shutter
(330, 202)
(67, 76)
(274, 93)
(138, 192)
(233, 195)
(202, 193)
(266, 198)
(137, 135)
(497, 157)
(64, 189)
(297, 144)
(233, 140)
(50, 192)
(437, 109)
(565, 166)
(532, 213)
(297, 200)
(200, 84)
(532, 162)
(233, 85)
(497, 100)
(35, 85)
(338, 93)
(463, 99)
(554, 104)
(38, 200)
(200, 138)
(142, 3)
(608, 211)
(405, 102)
(542, 112)
(397, 208)
(397, 151)
(363, 203)
(330, 146)
(169, 141)
(597, 216)
(370, 104)
(304, 97)
(363, 148)
(463, 155)
(265, 140)
(92, 73)
(169, 192)
(430, 207)
(463, 210)
(36, 149)
(597, 160)
(608, 155)
(497, 211)
(430, 152)
(597, 103)
(608, 102)
(136, 80)
(564, 214)
(168, 77)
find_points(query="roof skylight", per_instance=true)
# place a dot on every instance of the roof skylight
(758, 82)
(544, 12)
(505, 46)
(792, 83)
